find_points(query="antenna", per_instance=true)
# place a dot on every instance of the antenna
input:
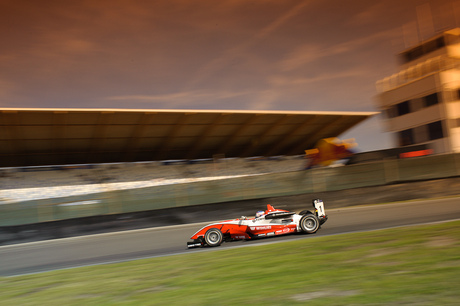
(455, 7)
(425, 21)
(410, 34)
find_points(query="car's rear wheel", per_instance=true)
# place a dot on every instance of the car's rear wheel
(213, 237)
(309, 224)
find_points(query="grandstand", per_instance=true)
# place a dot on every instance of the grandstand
(41, 137)
(35, 183)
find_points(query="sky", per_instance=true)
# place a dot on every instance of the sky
(304, 55)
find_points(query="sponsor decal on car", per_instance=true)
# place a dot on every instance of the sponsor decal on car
(260, 228)
(284, 230)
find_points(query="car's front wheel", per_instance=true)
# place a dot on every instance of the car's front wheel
(213, 237)
(309, 224)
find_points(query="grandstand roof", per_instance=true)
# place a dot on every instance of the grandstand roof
(32, 137)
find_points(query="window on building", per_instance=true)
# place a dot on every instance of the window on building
(435, 130)
(413, 105)
(413, 54)
(440, 42)
(406, 138)
(434, 45)
(431, 99)
(448, 95)
(416, 104)
(420, 134)
(450, 39)
(421, 50)
(455, 123)
(387, 113)
(391, 112)
(403, 108)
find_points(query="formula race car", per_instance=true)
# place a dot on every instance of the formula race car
(271, 222)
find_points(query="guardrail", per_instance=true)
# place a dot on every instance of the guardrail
(234, 189)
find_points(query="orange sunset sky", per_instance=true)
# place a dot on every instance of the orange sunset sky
(318, 55)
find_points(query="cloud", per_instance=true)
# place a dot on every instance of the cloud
(239, 50)
(282, 20)
(368, 15)
(309, 53)
(323, 77)
(255, 99)
(265, 99)
(303, 55)
(183, 98)
(7, 93)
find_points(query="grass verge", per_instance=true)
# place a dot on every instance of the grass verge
(407, 266)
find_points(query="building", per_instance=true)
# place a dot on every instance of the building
(421, 103)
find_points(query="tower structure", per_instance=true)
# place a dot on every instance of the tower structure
(421, 103)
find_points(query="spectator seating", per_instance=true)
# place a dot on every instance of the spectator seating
(22, 184)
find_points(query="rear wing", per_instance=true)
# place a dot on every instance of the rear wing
(319, 207)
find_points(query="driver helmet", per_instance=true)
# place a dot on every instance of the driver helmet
(260, 213)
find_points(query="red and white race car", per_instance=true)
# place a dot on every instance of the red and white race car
(271, 222)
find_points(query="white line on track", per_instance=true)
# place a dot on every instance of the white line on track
(54, 241)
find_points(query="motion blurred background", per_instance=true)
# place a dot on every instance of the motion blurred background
(119, 115)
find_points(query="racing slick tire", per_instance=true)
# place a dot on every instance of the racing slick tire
(213, 237)
(309, 224)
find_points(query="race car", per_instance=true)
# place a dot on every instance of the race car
(271, 222)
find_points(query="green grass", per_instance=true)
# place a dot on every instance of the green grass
(405, 266)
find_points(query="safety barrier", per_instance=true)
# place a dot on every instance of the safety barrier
(234, 189)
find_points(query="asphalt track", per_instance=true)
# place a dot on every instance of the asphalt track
(64, 253)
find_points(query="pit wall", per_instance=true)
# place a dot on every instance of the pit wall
(235, 189)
